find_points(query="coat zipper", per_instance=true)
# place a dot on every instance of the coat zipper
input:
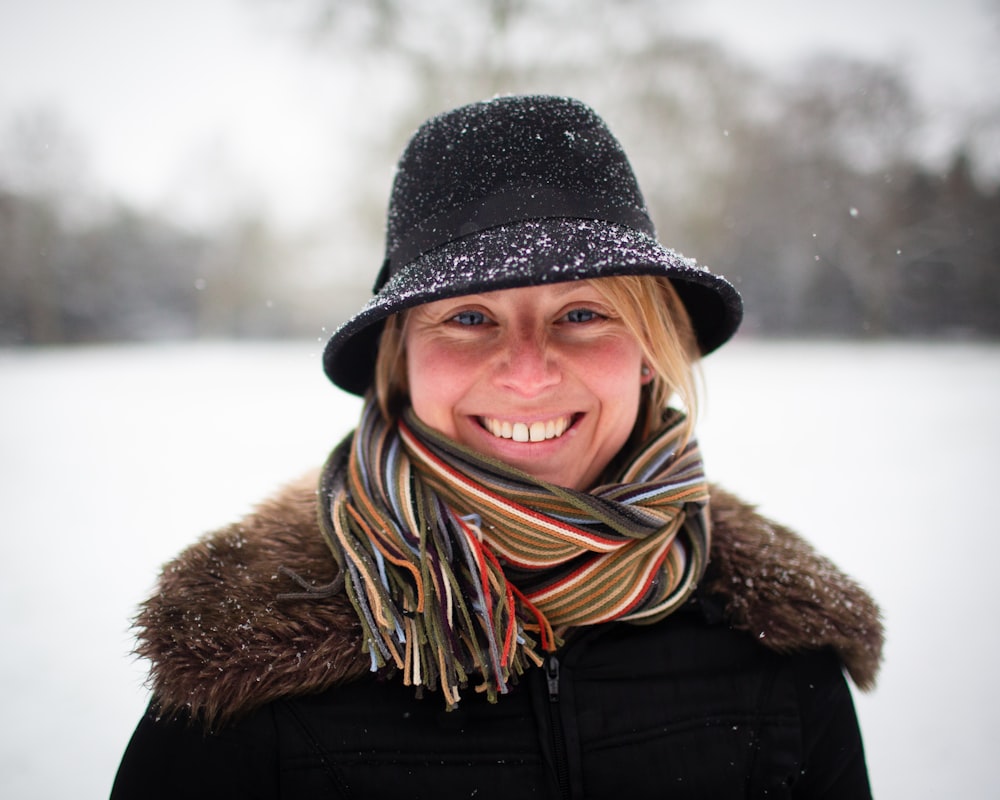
(555, 720)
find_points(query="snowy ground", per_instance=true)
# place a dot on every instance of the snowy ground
(113, 459)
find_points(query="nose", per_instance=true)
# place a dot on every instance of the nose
(527, 363)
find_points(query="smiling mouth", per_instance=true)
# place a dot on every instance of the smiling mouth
(537, 431)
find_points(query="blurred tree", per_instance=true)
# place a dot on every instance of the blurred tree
(130, 276)
(76, 268)
(804, 188)
(41, 192)
(241, 291)
(947, 269)
(29, 310)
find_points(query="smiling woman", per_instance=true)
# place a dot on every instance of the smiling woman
(520, 525)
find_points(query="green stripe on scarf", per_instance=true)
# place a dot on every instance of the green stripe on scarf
(461, 567)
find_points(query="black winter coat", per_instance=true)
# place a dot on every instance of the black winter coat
(740, 694)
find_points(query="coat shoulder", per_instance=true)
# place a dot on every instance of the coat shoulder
(225, 630)
(775, 586)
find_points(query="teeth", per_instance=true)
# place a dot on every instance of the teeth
(537, 432)
(526, 432)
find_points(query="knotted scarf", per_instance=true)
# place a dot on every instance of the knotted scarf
(460, 566)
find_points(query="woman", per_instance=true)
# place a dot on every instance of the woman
(516, 580)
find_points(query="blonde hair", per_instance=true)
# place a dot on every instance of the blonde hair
(649, 308)
(653, 312)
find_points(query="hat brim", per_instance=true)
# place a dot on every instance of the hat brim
(530, 253)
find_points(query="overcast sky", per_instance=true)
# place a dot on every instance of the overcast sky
(159, 92)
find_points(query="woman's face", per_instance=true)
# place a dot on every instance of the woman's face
(546, 379)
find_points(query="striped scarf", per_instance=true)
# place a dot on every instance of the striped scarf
(461, 567)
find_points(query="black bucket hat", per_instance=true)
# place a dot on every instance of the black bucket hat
(517, 191)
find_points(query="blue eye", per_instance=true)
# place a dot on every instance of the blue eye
(581, 315)
(469, 318)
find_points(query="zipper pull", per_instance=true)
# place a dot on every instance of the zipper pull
(552, 676)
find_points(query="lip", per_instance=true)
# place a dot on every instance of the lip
(552, 460)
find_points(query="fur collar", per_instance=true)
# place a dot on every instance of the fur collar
(220, 643)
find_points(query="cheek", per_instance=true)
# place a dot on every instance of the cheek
(436, 381)
(614, 377)
(614, 369)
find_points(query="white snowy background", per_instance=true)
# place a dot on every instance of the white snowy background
(112, 459)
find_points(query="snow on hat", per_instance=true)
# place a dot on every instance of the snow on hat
(510, 192)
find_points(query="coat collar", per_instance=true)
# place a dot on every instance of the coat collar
(221, 643)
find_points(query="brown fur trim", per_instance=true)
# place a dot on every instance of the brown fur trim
(219, 640)
(221, 643)
(779, 589)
